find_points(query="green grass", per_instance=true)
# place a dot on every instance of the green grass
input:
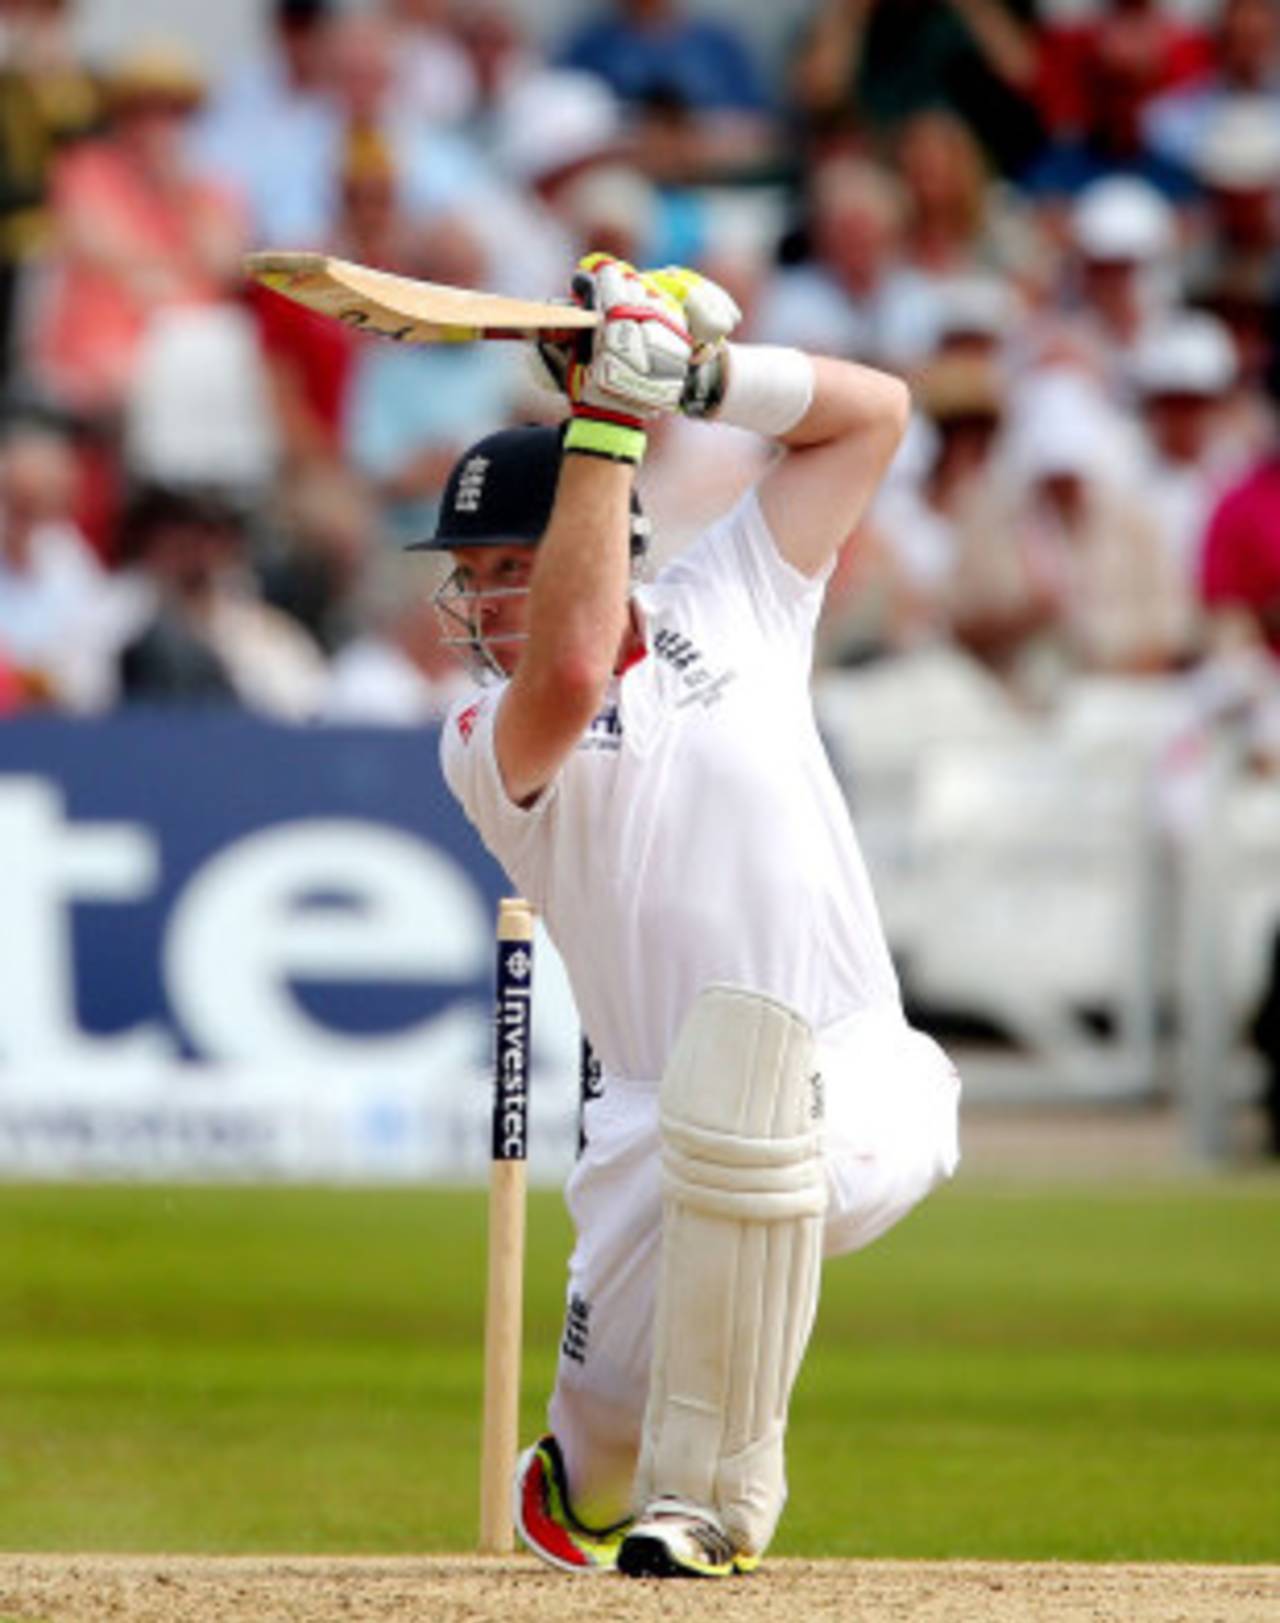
(1089, 1374)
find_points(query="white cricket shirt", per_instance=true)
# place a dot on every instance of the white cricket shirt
(697, 833)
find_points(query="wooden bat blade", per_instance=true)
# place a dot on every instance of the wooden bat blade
(408, 311)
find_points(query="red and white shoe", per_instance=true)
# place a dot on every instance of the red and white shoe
(545, 1522)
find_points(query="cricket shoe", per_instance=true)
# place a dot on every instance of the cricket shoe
(674, 1539)
(544, 1520)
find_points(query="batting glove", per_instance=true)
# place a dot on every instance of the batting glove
(712, 314)
(638, 364)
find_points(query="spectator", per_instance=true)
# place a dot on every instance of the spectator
(58, 608)
(399, 672)
(436, 77)
(501, 57)
(271, 113)
(651, 47)
(1240, 564)
(879, 62)
(1246, 63)
(203, 634)
(386, 182)
(1063, 571)
(1095, 81)
(137, 229)
(889, 591)
(355, 116)
(1185, 372)
(1237, 161)
(316, 554)
(979, 317)
(436, 171)
(47, 100)
(373, 228)
(552, 128)
(1118, 283)
(852, 296)
(691, 83)
(413, 410)
(955, 222)
(200, 410)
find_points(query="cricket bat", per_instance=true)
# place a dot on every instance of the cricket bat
(408, 311)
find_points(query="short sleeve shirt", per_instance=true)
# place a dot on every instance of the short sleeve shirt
(697, 833)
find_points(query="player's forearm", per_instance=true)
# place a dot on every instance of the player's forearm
(578, 594)
(840, 440)
(851, 402)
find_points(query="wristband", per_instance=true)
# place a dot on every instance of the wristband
(594, 436)
(764, 387)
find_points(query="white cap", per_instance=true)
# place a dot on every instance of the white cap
(1062, 424)
(1190, 354)
(1241, 147)
(1122, 218)
(554, 119)
(613, 197)
(980, 305)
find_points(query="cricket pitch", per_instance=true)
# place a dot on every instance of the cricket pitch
(166, 1589)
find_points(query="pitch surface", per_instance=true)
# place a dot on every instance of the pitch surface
(88, 1589)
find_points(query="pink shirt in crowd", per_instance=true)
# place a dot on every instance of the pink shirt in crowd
(1241, 562)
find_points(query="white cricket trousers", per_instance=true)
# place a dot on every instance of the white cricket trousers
(892, 1100)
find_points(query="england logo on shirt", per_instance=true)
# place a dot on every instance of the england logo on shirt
(701, 685)
(605, 731)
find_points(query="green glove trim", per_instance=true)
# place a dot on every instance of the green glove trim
(612, 440)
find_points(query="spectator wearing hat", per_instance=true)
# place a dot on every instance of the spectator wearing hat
(567, 158)
(1063, 572)
(1117, 283)
(1185, 372)
(136, 228)
(1246, 62)
(889, 592)
(978, 317)
(1237, 162)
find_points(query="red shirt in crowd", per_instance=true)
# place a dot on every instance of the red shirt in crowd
(1145, 53)
(1240, 567)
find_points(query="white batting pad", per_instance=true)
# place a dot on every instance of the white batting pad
(744, 1193)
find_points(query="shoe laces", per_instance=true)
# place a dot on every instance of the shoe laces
(712, 1541)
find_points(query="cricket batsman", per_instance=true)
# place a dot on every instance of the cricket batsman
(644, 762)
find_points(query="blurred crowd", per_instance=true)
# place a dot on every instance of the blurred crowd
(1066, 235)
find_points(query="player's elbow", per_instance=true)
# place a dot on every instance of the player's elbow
(893, 407)
(576, 679)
